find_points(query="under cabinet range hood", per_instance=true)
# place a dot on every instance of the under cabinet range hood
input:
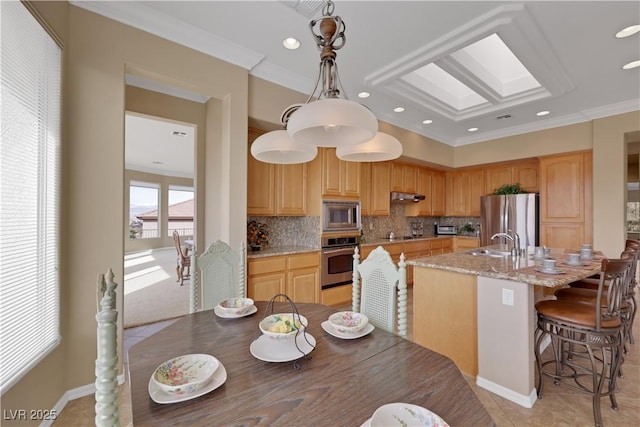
(406, 197)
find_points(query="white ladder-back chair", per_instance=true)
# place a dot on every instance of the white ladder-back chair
(218, 274)
(107, 361)
(378, 285)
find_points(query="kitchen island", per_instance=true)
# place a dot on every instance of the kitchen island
(479, 311)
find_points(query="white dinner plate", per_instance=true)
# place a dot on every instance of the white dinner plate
(326, 325)
(270, 350)
(160, 396)
(219, 313)
(542, 270)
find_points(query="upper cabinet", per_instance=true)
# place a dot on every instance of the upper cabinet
(463, 191)
(431, 183)
(566, 200)
(340, 179)
(276, 189)
(523, 172)
(404, 177)
(375, 188)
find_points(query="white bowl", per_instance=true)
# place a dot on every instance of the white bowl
(185, 374)
(235, 306)
(281, 326)
(348, 321)
(405, 414)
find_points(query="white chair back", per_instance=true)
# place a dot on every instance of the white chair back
(106, 394)
(378, 285)
(219, 273)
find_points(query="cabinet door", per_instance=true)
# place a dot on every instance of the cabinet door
(423, 186)
(260, 185)
(497, 176)
(456, 193)
(303, 284)
(409, 178)
(476, 178)
(265, 287)
(380, 188)
(292, 189)
(569, 236)
(526, 173)
(438, 191)
(351, 179)
(562, 195)
(397, 178)
(331, 172)
(365, 188)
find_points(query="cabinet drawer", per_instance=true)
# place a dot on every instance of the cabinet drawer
(266, 265)
(337, 296)
(304, 261)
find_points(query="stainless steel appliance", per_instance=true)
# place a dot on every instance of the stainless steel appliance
(510, 213)
(406, 197)
(336, 267)
(340, 215)
(447, 230)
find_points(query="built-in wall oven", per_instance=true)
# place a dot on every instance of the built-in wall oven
(337, 260)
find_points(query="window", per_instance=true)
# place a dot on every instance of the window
(180, 210)
(144, 212)
(30, 75)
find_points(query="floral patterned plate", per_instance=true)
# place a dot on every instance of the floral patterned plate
(160, 396)
(328, 327)
(404, 414)
(224, 315)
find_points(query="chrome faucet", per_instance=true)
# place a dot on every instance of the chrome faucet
(515, 249)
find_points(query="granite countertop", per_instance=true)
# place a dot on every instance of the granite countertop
(382, 241)
(521, 269)
(281, 250)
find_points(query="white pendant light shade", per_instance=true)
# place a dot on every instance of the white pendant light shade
(382, 147)
(332, 122)
(278, 147)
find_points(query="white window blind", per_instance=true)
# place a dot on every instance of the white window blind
(30, 74)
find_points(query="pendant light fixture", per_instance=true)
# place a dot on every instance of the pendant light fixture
(326, 119)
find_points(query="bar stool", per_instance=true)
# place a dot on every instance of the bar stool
(594, 327)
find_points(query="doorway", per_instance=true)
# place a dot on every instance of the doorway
(159, 199)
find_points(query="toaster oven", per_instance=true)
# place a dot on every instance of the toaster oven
(446, 229)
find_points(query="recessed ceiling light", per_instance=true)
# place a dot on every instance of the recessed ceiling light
(291, 43)
(398, 109)
(364, 95)
(542, 113)
(472, 129)
(629, 31)
(427, 122)
(631, 65)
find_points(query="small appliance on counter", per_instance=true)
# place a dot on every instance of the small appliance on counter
(446, 230)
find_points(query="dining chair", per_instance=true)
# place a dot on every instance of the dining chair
(183, 261)
(106, 394)
(378, 288)
(219, 273)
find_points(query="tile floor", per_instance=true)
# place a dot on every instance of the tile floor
(560, 406)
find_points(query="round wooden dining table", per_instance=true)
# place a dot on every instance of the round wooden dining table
(339, 383)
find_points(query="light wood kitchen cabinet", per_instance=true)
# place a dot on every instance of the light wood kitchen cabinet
(275, 189)
(404, 177)
(438, 194)
(463, 191)
(566, 200)
(464, 243)
(297, 276)
(339, 178)
(424, 185)
(375, 188)
(523, 172)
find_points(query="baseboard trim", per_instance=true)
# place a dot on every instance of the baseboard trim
(73, 394)
(520, 399)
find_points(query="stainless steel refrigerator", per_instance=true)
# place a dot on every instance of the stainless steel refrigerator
(510, 213)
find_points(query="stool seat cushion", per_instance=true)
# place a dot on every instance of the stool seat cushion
(575, 313)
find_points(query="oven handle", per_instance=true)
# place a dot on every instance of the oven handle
(329, 252)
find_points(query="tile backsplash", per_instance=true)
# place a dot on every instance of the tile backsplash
(291, 230)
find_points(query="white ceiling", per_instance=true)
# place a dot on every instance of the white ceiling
(569, 46)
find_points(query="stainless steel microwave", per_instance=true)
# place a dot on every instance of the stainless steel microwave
(446, 229)
(340, 215)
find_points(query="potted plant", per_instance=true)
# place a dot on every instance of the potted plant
(509, 189)
(257, 235)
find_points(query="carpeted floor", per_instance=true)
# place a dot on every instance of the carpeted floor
(151, 292)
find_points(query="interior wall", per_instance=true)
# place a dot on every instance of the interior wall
(97, 52)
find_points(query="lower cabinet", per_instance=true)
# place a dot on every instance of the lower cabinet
(297, 276)
(462, 243)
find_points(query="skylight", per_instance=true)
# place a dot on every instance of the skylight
(495, 64)
(443, 86)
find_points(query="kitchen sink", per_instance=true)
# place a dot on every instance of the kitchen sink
(493, 253)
